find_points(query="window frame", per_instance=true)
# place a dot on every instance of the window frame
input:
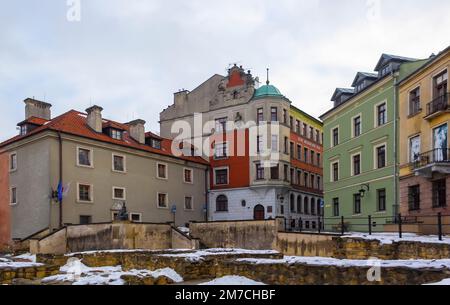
(13, 190)
(124, 158)
(332, 163)
(358, 116)
(410, 101)
(119, 188)
(258, 170)
(336, 207)
(166, 171)
(223, 123)
(378, 200)
(130, 217)
(375, 156)
(215, 176)
(352, 164)
(332, 138)
(91, 193)
(91, 156)
(191, 175)
(414, 201)
(167, 200)
(376, 114)
(11, 155)
(357, 210)
(225, 151)
(192, 203)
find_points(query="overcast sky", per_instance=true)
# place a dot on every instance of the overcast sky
(129, 56)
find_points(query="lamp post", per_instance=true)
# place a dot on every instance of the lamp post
(364, 188)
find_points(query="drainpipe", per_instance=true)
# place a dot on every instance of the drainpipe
(60, 177)
(207, 193)
(396, 136)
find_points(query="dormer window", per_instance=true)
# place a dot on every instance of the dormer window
(116, 134)
(23, 129)
(385, 70)
(155, 143)
(360, 86)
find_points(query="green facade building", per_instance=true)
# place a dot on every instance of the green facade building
(360, 149)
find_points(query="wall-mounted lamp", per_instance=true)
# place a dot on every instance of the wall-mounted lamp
(364, 188)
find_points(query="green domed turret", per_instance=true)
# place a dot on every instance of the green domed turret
(267, 90)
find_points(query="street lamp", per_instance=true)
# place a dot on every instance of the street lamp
(364, 188)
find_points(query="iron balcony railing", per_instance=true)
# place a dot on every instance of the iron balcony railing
(438, 155)
(438, 104)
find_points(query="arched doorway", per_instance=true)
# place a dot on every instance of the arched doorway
(258, 212)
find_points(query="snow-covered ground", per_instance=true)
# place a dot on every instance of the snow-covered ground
(200, 254)
(26, 257)
(326, 261)
(127, 251)
(233, 280)
(184, 230)
(77, 273)
(21, 261)
(389, 238)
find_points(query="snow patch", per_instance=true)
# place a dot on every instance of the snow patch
(27, 256)
(233, 280)
(389, 238)
(200, 254)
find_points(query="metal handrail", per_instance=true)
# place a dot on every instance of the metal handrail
(440, 103)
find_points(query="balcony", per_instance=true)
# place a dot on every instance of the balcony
(434, 161)
(438, 106)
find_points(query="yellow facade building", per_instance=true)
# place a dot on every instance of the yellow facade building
(424, 116)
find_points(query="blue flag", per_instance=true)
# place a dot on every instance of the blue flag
(60, 191)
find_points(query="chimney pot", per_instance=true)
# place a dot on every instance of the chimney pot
(137, 130)
(38, 109)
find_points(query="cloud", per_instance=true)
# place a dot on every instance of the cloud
(130, 56)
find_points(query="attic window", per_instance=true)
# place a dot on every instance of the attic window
(360, 86)
(386, 70)
(155, 143)
(23, 129)
(116, 134)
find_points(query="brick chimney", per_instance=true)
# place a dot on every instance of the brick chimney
(94, 118)
(35, 108)
(137, 130)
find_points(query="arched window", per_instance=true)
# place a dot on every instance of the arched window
(319, 208)
(299, 204)
(292, 203)
(305, 205)
(313, 206)
(222, 203)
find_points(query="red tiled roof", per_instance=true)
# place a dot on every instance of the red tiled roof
(74, 123)
(34, 120)
(114, 125)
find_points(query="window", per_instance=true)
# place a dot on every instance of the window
(319, 183)
(291, 122)
(284, 116)
(299, 152)
(356, 204)
(162, 200)
(13, 162)
(305, 155)
(23, 129)
(357, 126)
(286, 169)
(306, 205)
(286, 145)
(188, 203)
(439, 193)
(269, 209)
(311, 133)
(381, 200)
(221, 125)
(222, 203)
(335, 172)
(292, 203)
(136, 217)
(292, 152)
(259, 172)
(259, 144)
(85, 219)
(299, 204)
(414, 102)
(274, 114)
(335, 207)
(161, 172)
(188, 175)
(297, 126)
(335, 137)
(414, 149)
(84, 157)
(356, 162)
(119, 193)
(221, 176)
(313, 178)
(221, 150)
(381, 156)
(440, 85)
(381, 114)
(259, 115)
(84, 193)
(299, 177)
(282, 209)
(274, 143)
(318, 160)
(414, 197)
(305, 179)
(313, 157)
(13, 196)
(317, 136)
(116, 134)
(386, 70)
(313, 206)
(118, 163)
(305, 130)
(275, 172)
(292, 176)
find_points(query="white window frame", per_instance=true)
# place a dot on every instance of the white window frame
(192, 203)
(11, 170)
(418, 135)
(124, 163)
(228, 175)
(332, 137)
(132, 213)
(353, 125)
(91, 156)
(11, 197)
(192, 175)
(433, 76)
(375, 155)
(375, 114)
(277, 147)
(167, 200)
(166, 171)
(331, 170)
(91, 186)
(352, 169)
(227, 150)
(119, 188)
